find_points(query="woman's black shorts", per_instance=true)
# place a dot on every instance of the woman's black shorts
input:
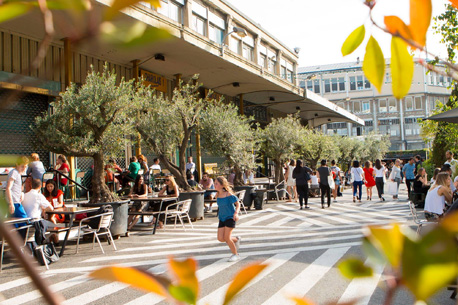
(230, 223)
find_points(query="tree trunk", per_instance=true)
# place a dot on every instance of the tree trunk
(238, 179)
(180, 176)
(278, 171)
(100, 191)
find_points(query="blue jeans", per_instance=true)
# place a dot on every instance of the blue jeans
(19, 212)
(358, 184)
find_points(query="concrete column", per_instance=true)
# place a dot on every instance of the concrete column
(229, 25)
(374, 112)
(349, 129)
(278, 63)
(68, 76)
(257, 41)
(401, 114)
(187, 14)
(295, 78)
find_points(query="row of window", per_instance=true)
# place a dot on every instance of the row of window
(385, 105)
(173, 9)
(337, 84)
(382, 122)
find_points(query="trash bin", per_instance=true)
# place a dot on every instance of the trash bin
(196, 210)
(120, 216)
(260, 199)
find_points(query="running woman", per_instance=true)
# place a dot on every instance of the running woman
(228, 214)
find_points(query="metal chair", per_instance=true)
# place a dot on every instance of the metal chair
(179, 210)
(240, 195)
(279, 187)
(418, 222)
(102, 229)
(27, 228)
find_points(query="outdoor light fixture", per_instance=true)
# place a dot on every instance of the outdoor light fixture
(316, 114)
(297, 50)
(272, 99)
(241, 32)
(236, 84)
(298, 108)
(159, 57)
(329, 120)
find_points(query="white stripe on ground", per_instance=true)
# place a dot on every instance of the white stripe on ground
(35, 294)
(258, 220)
(373, 213)
(202, 274)
(304, 281)
(281, 222)
(105, 290)
(323, 215)
(274, 262)
(362, 289)
(19, 282)
(306, 221)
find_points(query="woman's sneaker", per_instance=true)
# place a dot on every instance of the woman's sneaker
(234, 258)
(237, 243)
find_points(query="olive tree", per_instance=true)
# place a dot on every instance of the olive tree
(166, 125)
(349, 149)
(227, 133)
(89, 121)
(375, 147)
(315, 146)
(279, 139)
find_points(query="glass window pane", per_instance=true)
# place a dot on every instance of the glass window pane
(334, 84)
(327, 86)
(316, 86)
(366, 107)
(360, 82)
(367, 84)
(382, 105)
(262, 60)
(310, 85)
(352, 83)
(418, 103)
(283, 72)
(234, 45)
(409, 103)
(392, 105)
(175, 12)
(357, 107)
(341, 84)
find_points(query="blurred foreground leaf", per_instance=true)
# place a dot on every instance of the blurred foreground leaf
(374, 63)
(450, 222)
(301, 301)
(184, 273)
(454, 3)
(136, 278)
(353, 41)
(242, 279)
(354, 268)
(402, 68)
(13, 10)
(429, 264)
(420, 19)
(118, 5)
(389, 242)
(131, 35)
(396, 26)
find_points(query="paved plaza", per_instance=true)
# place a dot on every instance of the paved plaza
(302, 248)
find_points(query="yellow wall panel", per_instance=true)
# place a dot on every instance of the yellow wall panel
(16, 54)
(7, 52)
(25, 56)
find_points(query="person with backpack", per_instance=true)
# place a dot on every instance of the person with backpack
(302, 176)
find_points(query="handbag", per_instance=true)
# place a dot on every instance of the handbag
(392, 188)
(331, 183)
(50, 254)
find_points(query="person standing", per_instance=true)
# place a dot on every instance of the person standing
(418, 163)
(35, 170)
(357, 175)
(302, 176)
(229, 208)
(190, 166)
(409, 174)
(323, 173)
(453, 163)
(14, 189)
(62, 167)
(395, 176)
(369, 174)
(380, 171)
(291, 182)
(336, 176)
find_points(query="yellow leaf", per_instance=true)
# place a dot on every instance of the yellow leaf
(301, 301)
(450, 222)
(390, 242)
(133, 277)
(396, 26)
(13, 10)
(184, 273)
(118, 5)
(374, 63)
(401, 68)
(242, 279)
(353, 41)
(420, 19)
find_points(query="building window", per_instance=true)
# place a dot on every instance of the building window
(316, 86)
(310, 85)
(172, 9)
(352, 83)
(359, 83)
(368, 123)
(382, 105)
(409, 103)
(366, 107)
(327, 86)
(235, 45)
(341, 84)
(290, 75)
(394, 132)
(283, 72)
(387, 78)
(216, 34)
(418, 103)
(272, 64)
(334, 84)
(357, 107)
(392, 105)
(262, 60)
(199, 25)
(247, 52)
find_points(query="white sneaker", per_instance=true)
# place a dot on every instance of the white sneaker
(237, 243)
(210, 209)
(234, 258)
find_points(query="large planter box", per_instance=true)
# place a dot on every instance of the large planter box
(197, 206)
(120, 216)
(249, 194)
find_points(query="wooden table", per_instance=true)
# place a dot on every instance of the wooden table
(71, 212)
(154, 200)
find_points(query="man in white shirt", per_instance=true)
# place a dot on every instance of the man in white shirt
(34, 202)
(156, 164)
(453, 163)
(190, 166)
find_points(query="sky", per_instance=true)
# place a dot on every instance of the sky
(319, 27)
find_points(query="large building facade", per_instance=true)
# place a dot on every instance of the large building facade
(345, 85)
(256, 72)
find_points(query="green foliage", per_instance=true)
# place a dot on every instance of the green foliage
(12, 10)
(375, 147)
(315, 146)
(225, 132)
(349, 149)
(446, 25)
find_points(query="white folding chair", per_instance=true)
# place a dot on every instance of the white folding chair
(23, 245)
(418, 222)
(179, 210)
(103, 229)
(240, 195)
(278, 188)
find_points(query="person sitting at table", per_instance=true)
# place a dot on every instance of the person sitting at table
(35, 170)
(314, 185)
(190, 179)
(421, 183)
(111, 169)
(131, 174)
(248, 177)
(170, 189)
(56, 198)
(438, 194)
(35, 205)
(208, 185)
(139, 190)
(62, 167)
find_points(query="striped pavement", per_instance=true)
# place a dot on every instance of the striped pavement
(301, 247)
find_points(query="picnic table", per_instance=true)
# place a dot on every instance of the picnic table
(151, 200)
(71, 212)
